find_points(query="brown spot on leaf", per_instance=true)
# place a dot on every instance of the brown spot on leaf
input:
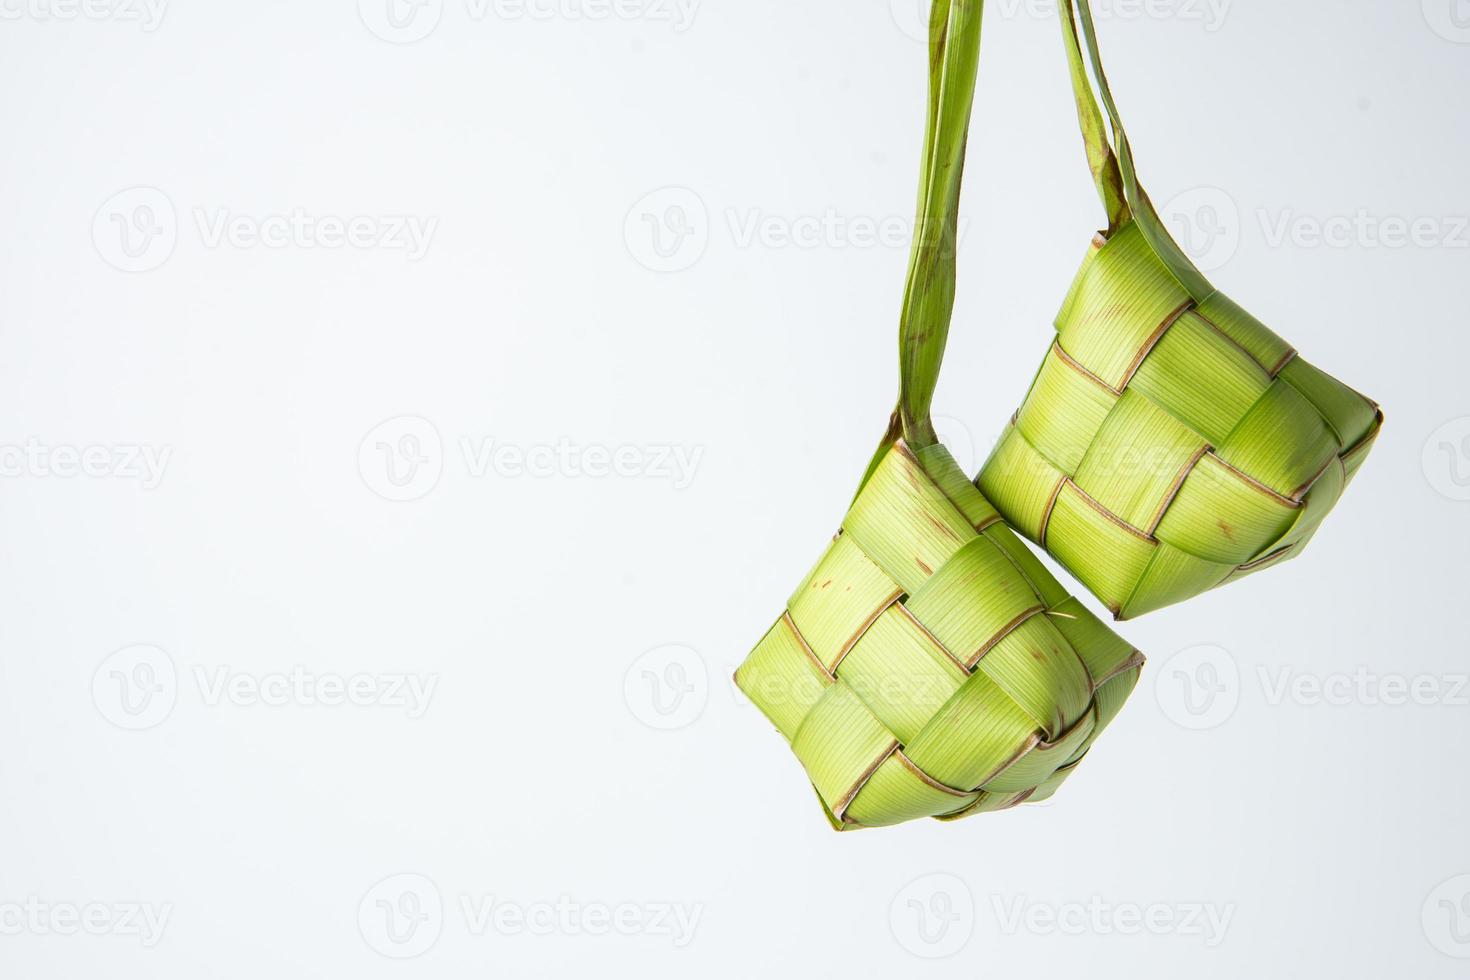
(926, 568)
(1225, 529)
(941, 526)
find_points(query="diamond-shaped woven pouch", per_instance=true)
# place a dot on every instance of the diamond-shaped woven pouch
(1170, 442)
(929, 666)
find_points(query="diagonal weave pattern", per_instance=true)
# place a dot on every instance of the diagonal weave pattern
(929, 666)
(1168, 446)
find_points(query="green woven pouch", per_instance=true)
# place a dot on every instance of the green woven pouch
(929, 666)
(1170, 442)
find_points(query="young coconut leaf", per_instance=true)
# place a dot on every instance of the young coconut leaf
(1170, 442)
(929, 666)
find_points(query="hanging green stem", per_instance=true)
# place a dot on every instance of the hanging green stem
(1110, 167)
(928, 301)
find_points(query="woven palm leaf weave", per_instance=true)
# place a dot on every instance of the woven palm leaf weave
(929, 666)
(1170, 442)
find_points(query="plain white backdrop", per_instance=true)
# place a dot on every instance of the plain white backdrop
(411, 412)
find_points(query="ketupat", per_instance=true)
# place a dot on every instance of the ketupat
(929, 666)
(1170, 442)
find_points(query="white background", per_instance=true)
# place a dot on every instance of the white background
(581, 762)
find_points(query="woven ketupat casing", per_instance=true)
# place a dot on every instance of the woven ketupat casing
(1168, 446)
(929, 666)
